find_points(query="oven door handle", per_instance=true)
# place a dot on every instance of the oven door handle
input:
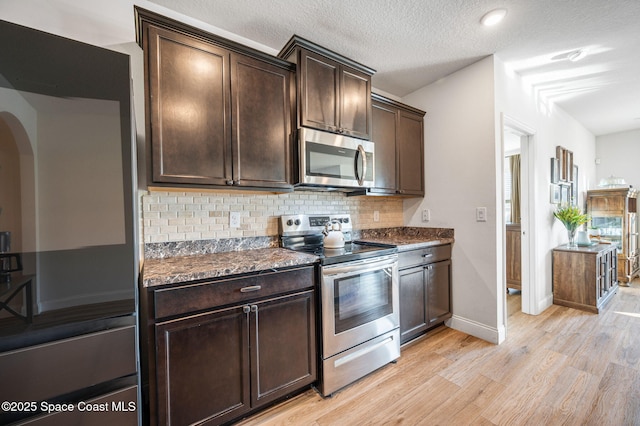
(359, 266)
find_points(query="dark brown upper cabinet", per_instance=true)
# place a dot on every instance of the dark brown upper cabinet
(398, 132)
(334, 92)
(218, 114)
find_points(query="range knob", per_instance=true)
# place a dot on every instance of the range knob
(289, 222)
(345, 220)
(297, 222)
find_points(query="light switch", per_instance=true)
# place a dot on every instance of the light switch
(481, 214)
(426, 215)
(376, 216)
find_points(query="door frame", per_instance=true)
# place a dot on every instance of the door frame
(530, 285)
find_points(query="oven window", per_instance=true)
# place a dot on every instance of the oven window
(362, 298)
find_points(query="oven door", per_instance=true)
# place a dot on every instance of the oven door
(327, 159)
(359, 302)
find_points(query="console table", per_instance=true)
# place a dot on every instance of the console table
(585, 277)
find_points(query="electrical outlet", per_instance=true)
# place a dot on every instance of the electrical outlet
(234, 219)
(376, 216)
(481, 214)
(426, 215)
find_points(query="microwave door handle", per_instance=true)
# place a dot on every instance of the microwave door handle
(361, 153)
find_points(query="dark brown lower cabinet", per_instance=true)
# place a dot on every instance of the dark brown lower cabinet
(203, 368)
(217, 366)
(413, 297)
(425, 290)
(438, 292)
(282, 333)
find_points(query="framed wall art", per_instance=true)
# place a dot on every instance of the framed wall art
(554, 170)
(565, 164)
(574, 186)
(565, 193)
(554, 197)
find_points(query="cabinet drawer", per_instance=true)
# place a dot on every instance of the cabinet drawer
(426, 255)
(201, 296)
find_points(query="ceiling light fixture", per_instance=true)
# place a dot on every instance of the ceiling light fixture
(494, 17)
(576, 55)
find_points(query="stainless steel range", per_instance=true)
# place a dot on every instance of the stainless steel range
(358, 296)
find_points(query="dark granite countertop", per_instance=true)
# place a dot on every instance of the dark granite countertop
(407, 238)
(201, 264)
(214, 265)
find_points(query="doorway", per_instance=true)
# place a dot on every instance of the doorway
(512, 220)
(516, 135)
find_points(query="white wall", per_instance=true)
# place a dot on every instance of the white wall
(463, 170)
(552, 127)
(619, 155)
(460, 175)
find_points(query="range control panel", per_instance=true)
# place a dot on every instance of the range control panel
(302, 224)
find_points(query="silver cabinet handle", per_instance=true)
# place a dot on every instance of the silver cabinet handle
(246, 309)
(427, 255)
(250, 288)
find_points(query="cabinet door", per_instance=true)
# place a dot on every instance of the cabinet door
(513, 256)
(283, 349)
(262, 122)
(409, 143)
(413, 299)
(189, 107)
(355, 103)
(203, 368)
(319, 98)
(438, 292)
(384, 136)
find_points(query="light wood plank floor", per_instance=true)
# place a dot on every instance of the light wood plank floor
(561, 367)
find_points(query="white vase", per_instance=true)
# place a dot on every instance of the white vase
(582, 238)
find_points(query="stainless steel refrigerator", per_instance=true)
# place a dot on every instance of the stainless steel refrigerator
(68, 252)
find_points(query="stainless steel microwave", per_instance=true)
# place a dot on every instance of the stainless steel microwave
(331, 160)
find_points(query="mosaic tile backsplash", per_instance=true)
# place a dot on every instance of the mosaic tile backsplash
(169, 216)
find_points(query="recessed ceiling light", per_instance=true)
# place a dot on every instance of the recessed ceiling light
(576, 55)
(493, 17)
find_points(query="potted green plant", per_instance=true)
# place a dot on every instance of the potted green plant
(572, 218)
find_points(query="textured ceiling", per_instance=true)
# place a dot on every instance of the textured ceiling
(412, 43)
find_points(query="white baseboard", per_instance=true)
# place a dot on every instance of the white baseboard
(545, 303)
(481, 331)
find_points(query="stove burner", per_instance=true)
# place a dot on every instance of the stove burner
(304, 233)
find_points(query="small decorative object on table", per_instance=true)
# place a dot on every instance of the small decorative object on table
(572, 218)
(594, 233)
